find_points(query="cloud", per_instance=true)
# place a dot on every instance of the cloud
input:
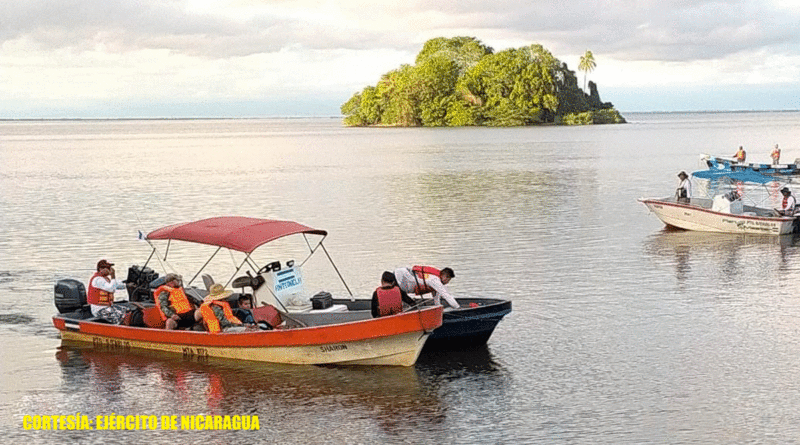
(114, 50)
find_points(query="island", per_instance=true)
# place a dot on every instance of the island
(459, 81)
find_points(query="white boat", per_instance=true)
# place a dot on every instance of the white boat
(702, 215)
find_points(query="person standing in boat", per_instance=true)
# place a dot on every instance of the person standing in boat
(175, 307)
(740, 155)
(100, 294)
(788, 205)
(420, 280)
(684, 192)
(776, 155)
(388, 299)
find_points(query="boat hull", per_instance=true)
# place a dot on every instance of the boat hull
(394, 341)
(693, 217)
(466, 327)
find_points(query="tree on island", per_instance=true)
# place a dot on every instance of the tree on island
(461, 82)
(587, 65)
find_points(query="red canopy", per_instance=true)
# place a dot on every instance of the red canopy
(233, 232)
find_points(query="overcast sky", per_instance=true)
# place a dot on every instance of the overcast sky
(248, 58)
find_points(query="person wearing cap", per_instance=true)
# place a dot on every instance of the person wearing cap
(420, 280)
(100, 293)
(788, 204)
(684, 192)
(740, 155)
(175, 307)
(217, 314)
(388, 299)
(776, 155)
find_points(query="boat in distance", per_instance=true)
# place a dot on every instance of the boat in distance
(320, 337)
(699, 214)
(736, 201)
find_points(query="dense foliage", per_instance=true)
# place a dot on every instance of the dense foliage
(460, 81)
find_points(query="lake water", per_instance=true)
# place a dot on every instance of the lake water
(621, 332)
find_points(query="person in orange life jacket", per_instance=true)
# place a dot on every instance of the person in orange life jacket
(788, 205)
(776, 155)
(100, 293)
(740, 155)
(217, 314)
(176, 308)
(421, 280)
(389, 298)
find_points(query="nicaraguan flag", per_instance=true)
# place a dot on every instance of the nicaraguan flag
(140, 236)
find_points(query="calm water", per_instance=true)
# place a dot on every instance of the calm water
(621, 332)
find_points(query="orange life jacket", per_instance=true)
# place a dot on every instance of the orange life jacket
(389, 301)
(98, 296)
(740, 155)
(212, 324)
(177, 299)
(420, 275)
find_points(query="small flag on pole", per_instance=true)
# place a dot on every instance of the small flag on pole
(140, 236)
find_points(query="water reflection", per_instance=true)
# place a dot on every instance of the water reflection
(145, 382)
(731, 254)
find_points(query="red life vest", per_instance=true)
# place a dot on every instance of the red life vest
(390, 301)
(177, 299)
(98, 296)
(211, 319)
(420, 275)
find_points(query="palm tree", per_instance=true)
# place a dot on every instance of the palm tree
(587, 65)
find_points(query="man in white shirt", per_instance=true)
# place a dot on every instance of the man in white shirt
(421, 280)
(684, 192)
(100, 294)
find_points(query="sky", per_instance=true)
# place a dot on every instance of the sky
(264, 58)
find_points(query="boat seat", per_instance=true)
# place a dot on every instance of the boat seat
(152, 318)
(207, 280)
(268, 314)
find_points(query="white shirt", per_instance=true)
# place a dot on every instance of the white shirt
(108, 286)
(407, 282)
(686, 184)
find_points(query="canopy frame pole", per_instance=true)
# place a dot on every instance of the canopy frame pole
(204, 265)
(337, 270)
(151, 255)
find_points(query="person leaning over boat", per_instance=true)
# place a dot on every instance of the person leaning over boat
(684, 192)
(175, 307)
(100, 294)
(788, 205)
(420, 280)
(776, 155)
(388, 299)
(740, 155)
(217, 314)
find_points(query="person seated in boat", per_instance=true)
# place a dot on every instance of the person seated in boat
(684, 192)
(177, 310)
(388, 299)
(740, 155)
(100, 294)
(776, 155)
(788, 204)
(420, 280)
(217, 314)
(245, 310)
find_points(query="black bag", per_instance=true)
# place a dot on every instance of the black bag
(134, 317)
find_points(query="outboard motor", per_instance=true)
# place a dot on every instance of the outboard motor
(70, 295)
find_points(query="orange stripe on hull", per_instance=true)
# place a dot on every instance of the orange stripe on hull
(393, 340)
